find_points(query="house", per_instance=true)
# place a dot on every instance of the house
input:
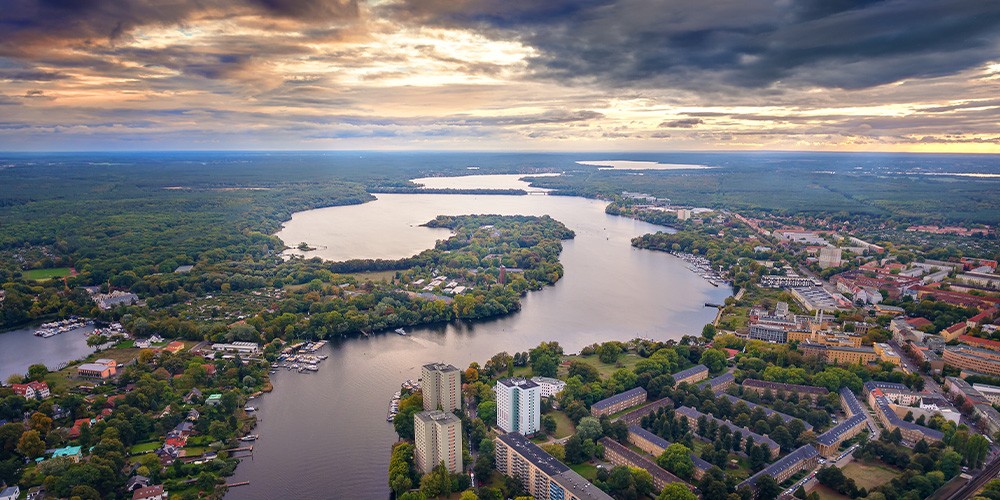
(71, 452)
(150, 493)
(136, 482)
(32, 390)
(193, 394)
(10, 493)
(101, 369)
(214, 400)
(193, 415)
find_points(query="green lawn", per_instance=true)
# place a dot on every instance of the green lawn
(144, 447)
(564, 426)
(588, 471)
(624, 361)
(45, 274)
(870, 475)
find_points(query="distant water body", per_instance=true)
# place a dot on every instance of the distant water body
(324, 435)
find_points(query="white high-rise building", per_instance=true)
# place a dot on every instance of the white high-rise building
(519, 406)
(437, 437)
(442, 387)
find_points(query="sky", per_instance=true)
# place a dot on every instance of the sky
(600, 75)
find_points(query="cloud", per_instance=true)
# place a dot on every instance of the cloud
(736, 43)
(682, 123)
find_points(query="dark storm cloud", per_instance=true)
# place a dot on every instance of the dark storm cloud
(745, 43)
(27, 24)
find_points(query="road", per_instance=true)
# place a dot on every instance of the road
(989, 472)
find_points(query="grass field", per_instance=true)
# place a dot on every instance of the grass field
(624, 361)
(144, 447)
(46, 274)
(865, 475)
(564, 426)
(588, 471)
(868, 476)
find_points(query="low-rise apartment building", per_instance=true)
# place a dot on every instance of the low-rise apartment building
(618, 402)
(693, 415)
(691, 375)
(617, 454)
(802, 458)
(635, 416)
(803, 391)
(973, 358)
(541, 475)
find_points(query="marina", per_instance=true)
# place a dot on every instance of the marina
(47, 330)
(702, 267)
(409, 386)
(301, 357)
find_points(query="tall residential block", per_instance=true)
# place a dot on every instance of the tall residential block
(437, 437)
(518, 406)
(441, 386)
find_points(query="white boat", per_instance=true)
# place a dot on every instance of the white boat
(401, 331)
(249, 409)
(249, 437)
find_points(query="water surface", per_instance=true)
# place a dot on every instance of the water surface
(324, 435)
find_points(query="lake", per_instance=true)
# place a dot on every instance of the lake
(20, 349)
(324, 435)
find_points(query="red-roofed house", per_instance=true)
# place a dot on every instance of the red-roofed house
(992, 345)
(209, 369)
(177, 441)
(113, 400)
(731, 353)
(32, 390)
(983, 317)
(150, 493)
(919, 322)
(954, 331)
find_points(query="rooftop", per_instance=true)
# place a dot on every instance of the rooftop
(439, 416)
(767, 411)
(852, 401)
(883, 404)
(780, 386)
(648, 436)
(792, 459)
(757, 438)
(717, 381)
(517, 382)
(831, 436)
(531, 452)
(640, 460)
(618, 398)
(440, 367)
(689, 372)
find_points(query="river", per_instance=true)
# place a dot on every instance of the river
(20, 349)
(324, 435)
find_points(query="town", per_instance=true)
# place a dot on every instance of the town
(840, 369)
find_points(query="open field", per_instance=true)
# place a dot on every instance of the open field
(588, 471)
(868, 476)
(564, 426)
(45, 274)
(624, 361)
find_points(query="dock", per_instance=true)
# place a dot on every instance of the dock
(241, 483)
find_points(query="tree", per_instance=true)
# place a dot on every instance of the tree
(549, 424)
(589, 428)
(676, 491)
(708, 332)
(31, 445)
(714, 359)
(437, 482)
(767, 488)
(468, 495)
(487, 411)
(37, 372)
(608, 352)
(676, 458)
